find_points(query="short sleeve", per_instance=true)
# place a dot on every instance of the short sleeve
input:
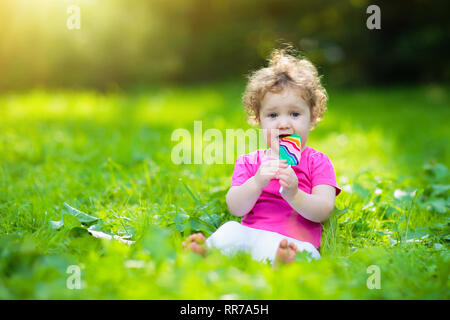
(322, 172)
(242, 171)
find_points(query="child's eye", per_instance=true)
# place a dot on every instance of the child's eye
(272, 115)
(295, 114)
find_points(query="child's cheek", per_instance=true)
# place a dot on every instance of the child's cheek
(274, 143)
(266, 137)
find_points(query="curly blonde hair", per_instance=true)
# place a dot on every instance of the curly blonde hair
(285, 71)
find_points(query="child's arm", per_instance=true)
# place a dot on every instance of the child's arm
(241, 199)
(316, 206)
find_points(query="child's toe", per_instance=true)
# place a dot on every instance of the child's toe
(283, 244)
(293, 247)
(198, 237)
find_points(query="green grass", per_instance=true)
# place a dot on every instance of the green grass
(108, 155)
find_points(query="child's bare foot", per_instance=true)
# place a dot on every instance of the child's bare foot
(196, 243)
(285, 253)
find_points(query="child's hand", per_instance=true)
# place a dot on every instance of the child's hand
(268, 170)
(289, 182)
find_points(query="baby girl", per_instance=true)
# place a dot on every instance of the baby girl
(283, 99)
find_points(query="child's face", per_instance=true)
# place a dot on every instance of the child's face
(286, 112)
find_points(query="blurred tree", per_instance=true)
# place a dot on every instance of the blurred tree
(130, 42)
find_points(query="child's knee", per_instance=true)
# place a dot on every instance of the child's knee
(227, 233)
(230, 226)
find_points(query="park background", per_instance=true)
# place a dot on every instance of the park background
(86, 117)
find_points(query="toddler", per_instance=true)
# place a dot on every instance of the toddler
(283, 99)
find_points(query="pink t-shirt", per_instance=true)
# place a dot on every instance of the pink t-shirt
(271, 212)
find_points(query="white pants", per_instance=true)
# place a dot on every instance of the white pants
(261, 244)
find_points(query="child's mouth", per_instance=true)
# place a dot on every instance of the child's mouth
(281, 136)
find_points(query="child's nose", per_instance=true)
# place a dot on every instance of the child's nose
(283, 123)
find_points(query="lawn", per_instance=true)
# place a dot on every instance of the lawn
(77, 160)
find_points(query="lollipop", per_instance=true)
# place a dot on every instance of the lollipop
(290, 150)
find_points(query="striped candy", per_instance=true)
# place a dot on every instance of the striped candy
(290, 149)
